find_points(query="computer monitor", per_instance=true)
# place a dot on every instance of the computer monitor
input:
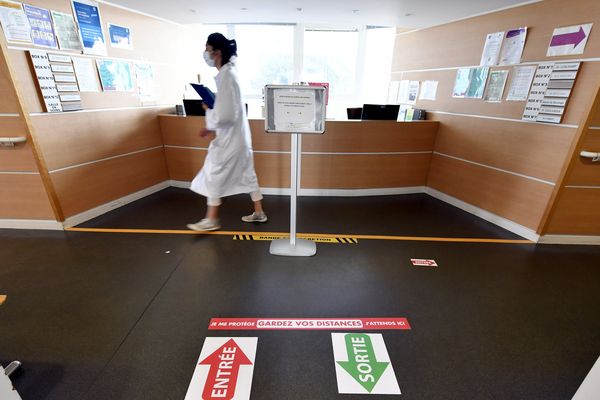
(354, 113)
(193, 107)
(380, 111)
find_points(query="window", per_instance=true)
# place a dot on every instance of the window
(378, 64)
(266, 56)
(355, 62)
(330, 56)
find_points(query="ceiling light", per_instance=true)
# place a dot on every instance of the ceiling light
(355, 11)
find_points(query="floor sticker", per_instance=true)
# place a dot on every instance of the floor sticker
(362, 364)
(330, 324)
(423, 263)
(224, 370)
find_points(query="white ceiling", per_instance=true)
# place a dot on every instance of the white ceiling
(421, 13)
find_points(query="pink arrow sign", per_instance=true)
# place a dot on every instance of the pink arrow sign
(564, 39)
(222, 377)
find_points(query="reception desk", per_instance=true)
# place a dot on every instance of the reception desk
(350, 155)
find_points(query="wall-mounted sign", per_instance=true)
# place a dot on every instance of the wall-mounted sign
(42, 32)
(14, 22)
(120, 37)
(569, 40)
(87, 14)
(45, 80)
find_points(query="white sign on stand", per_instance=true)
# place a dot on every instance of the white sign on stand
(294, 110)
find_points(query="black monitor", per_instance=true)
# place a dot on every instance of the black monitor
(380, 111)
(193, 107)
(354, 113)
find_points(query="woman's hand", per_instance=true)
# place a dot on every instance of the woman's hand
(205, 107)
(205, 132)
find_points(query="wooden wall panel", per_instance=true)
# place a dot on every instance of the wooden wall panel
(372, 136)
(83, 188)
(20, 157)
(584, 91)
(184, 164)
(23, 196)
(461, 43)
(264, 141)
(184, 131)
(273, 170)
(73, 138)
(512, 197)
(585, 172)
(531, 149)
(364, 171)
(577, 213)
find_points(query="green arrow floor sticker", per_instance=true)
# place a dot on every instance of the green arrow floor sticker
(362, 364)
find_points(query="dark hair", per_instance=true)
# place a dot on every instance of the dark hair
(219, 42)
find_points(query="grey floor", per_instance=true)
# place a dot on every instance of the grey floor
(124, 316)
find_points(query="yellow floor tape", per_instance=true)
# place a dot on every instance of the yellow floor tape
(305, 235)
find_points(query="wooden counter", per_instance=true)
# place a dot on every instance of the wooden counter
(350, 155)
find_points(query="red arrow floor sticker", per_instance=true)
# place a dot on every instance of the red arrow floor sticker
(362, 364)
(224, 370)
(423, 263)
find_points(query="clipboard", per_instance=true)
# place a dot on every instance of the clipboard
(208, 97)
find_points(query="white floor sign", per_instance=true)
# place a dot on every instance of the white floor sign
(362, 364)
(224, 370)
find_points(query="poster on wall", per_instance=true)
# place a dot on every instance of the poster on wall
(461, 84)
(403, 92)
(115, 75)
(512, 47)
(14, 22)
(66, 31)
(477, 81)
(569, 40)
(429, 90)
(413, 91)
(40, 21)
(120, 37)
(491, 50)
(521, 82)
(144, 77)
(86, 74)
(495, 88)
(87, 14)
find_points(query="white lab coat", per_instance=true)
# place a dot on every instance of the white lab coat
(229, 167)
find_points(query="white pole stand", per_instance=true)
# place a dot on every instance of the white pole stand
(293, 247)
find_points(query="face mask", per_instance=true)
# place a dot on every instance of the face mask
(209, 61)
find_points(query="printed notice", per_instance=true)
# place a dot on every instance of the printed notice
(491, 50)
(513, 45)
(294, 111)
(86, 74)
(521, 82)
(495, 88)
(14, 22)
